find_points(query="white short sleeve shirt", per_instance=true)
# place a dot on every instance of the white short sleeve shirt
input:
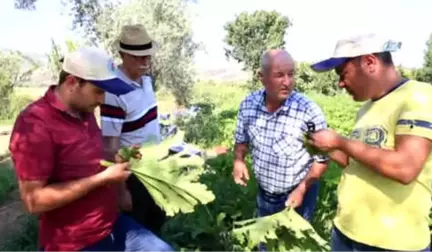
(133, 116)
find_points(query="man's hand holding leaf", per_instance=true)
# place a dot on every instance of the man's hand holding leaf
(325, 140)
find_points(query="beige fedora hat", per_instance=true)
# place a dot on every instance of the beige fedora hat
(135, 40)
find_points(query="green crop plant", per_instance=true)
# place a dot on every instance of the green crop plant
(173, 188)
(282, 231)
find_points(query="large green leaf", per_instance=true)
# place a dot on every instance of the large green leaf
(172, 180)
(283, 231)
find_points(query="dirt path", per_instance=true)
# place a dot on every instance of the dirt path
(11, 215)
(12, 212)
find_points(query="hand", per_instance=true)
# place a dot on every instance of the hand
(116, 173)
(134, 150)
(295, 199)
(325, 140)
(240, 173)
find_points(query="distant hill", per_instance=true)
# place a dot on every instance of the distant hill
(231, 72)
(225, 72)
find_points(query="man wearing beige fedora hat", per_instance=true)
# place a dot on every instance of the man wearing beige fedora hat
(132, 119)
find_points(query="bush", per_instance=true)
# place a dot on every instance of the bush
(7, 181)
(208, 228)
(340, 111)
(11, 109)
(215, 123)
(25, 239)
(309, 81)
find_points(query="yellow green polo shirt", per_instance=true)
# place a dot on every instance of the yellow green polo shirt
(376, 210)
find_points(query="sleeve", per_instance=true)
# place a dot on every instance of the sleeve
(31, 148)
(318, 118)
(113, 115)
(240, 135)
(415, 117)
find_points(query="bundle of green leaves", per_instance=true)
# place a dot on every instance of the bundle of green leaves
(283, 231)
(172, 180)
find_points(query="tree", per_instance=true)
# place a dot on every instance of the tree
(307, 80)
(426, 72)
(411, 73)
(168, 23)
(249, 35)
(166, 20)
(25, 4)
(85, 13)
(55, 56)
(15, 68)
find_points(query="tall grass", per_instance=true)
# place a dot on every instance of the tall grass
(12, 107)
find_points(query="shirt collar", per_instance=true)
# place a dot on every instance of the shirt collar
(285, 106)
(52, 99)
(125, 78)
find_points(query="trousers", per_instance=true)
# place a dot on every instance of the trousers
(270, 204)
(340, 242)
(128, 235)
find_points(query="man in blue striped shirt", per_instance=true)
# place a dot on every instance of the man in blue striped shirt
(270, 124)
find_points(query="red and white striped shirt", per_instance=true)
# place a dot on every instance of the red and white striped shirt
(133, 116)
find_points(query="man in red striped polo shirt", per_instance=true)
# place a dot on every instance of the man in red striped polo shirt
(56, 147)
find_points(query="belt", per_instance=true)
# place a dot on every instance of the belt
(273, 196)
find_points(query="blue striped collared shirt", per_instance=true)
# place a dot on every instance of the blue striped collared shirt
(280, 161)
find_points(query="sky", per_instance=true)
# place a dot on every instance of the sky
(317, 25)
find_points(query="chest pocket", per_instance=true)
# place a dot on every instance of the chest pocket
(256, 135)
(284, 145)
(287, 145)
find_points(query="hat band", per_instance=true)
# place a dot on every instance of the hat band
(136, 47)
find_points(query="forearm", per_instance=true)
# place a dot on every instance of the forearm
(54, 196)
(240, 151)
(388, 163)
(315, 173)
(340, 158)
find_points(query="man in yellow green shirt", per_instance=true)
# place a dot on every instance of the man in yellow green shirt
(384, 196)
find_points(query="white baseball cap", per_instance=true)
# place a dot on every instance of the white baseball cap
(352, 47)
(97, 67)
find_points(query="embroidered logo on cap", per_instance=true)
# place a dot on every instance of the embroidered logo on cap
(392, 46)
(111, 66)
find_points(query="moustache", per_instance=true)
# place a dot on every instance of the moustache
(144, 67)
(285, 88)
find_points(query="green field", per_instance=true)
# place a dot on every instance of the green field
(32, 92)
(206, 229)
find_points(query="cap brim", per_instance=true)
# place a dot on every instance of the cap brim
(328, 64)
(114, 86)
